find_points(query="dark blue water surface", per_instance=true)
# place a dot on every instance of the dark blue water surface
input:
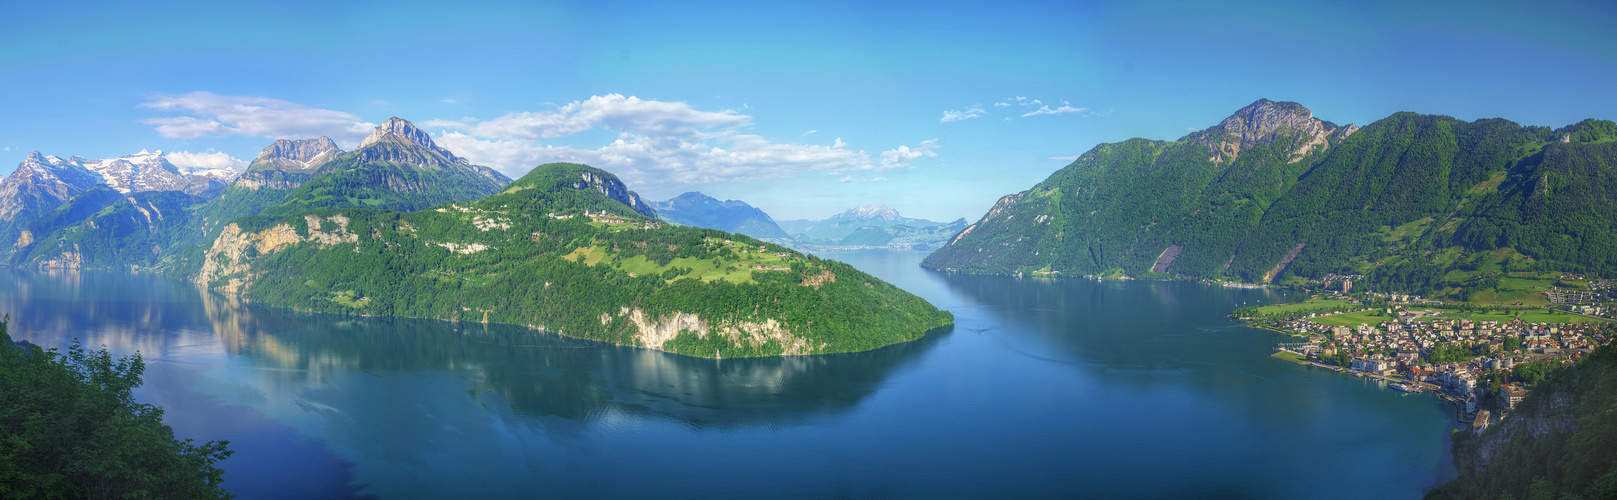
(1043, 388)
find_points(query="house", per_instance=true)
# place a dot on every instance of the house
(1511, 394)
(1481, 422)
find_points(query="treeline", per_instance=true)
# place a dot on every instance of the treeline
(69, 428)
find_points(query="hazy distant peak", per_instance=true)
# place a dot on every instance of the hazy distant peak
(878, 211)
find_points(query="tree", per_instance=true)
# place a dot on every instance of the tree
(70, 428)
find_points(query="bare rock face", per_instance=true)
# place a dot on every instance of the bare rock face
(286, 164)
(299, 154)
(400, 131)
(1264, 121)
(614, 188)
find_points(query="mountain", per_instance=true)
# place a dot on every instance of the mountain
(38, 185)
(1272, 193)
(286, 163)
(735, 216)
(144, 171)
(42, 184)
(563, 250)
(1559, 441)
(871, 226)
(397, 167)
(162, 222)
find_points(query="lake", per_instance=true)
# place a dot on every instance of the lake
(1042, 388)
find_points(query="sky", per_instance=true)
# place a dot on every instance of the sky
(803, 109)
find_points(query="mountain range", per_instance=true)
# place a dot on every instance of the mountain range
(864, 227)
(872, 226)
(1271, 194)
(403, 227)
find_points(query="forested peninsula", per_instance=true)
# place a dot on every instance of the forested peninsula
(558, 250)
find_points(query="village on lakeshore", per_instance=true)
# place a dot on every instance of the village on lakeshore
(1482, 357)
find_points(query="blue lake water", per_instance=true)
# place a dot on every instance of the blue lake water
(1042, 388)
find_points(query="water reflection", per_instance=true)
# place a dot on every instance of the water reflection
(1119, 325)
(548, 375)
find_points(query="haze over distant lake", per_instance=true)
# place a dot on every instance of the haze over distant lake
(1042, 388)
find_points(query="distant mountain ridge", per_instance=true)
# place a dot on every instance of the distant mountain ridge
(871, 226)
(736, 216)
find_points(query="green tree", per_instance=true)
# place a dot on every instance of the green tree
(69, 428)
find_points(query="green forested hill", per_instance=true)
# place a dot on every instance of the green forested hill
(528, 256)
(1272, 193)
(1560, 442)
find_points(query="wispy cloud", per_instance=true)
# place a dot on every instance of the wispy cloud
(210, 159)
(612, 112)
(658, 142)
(1047, 110)
(809, 133)
(973, 111)
(1062, 158)
(209, 114)
(1034, 107)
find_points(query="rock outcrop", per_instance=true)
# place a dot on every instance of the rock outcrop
(614, 188)
(1261, 123)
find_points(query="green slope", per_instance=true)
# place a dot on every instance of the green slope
(1560, 442)
(527, 256)
(1403, 200)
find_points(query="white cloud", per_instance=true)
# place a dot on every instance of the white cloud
(1065, 107)
(846, 179)
(903, 155)
(657, 142)
(1063, 158)
(210, 159)
(953, 116)
(210, 114)
(811, 132)
(612, 112)
(1002, 104)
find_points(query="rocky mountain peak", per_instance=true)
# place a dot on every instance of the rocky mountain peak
(400, 131)
(35, 157)
(396, 128)
(286, 154)
(1261, 123)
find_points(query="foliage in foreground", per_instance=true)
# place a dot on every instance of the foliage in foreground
(69, 428)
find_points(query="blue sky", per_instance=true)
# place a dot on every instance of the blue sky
(803, 109)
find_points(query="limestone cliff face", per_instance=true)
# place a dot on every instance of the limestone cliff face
(227, 265)
(1261, 123)
(613, 188)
